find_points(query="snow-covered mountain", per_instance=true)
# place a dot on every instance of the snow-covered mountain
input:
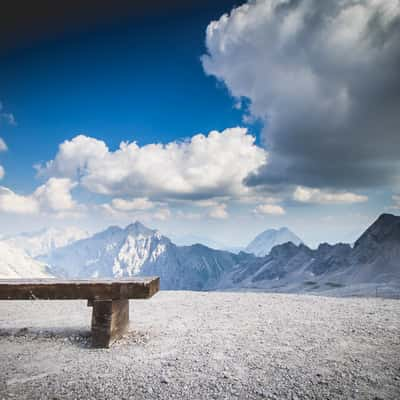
(374, 260)
(262, 244)
(137, 250)
(44, 241)
(15, 263)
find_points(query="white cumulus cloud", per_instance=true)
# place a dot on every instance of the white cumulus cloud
(270, 209)
(203, 167)
(11, 202)
(318, 196)
(54, 196)
(213, 208)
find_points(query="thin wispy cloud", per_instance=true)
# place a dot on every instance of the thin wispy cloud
(317, 196)
(3, 148)
(270, 209)
(7, 117)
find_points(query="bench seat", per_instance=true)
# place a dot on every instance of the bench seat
(108, 297)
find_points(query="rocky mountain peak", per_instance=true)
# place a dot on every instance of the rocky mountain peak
(385, 228)
(285, 249)
(137, 228)
(110, 231)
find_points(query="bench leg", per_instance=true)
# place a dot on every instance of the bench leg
(110, 320)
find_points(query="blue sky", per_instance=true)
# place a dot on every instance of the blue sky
(141, 80)
(301, 158)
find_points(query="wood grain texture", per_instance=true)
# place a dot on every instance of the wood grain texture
(110, 320)
(96, 289)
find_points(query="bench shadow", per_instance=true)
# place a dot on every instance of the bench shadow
(78, 337)
(75, 336)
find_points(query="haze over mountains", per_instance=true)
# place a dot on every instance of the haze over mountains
(19, 253)
(46, 240)
(288, 267)
(374, 260)
(15, 263)
(262, 244)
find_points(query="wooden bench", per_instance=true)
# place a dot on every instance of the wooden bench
(109, 299)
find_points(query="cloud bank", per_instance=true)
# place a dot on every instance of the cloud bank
(317, 196)
(54, 197)
(205, 166)
(324, 78)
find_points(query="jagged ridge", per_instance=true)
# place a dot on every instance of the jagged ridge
(375, 258)
(137, 250)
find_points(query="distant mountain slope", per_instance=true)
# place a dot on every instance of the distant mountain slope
(376, 254)
(137, 250)
(14, 263)
(44, 241)
(188, 240)
(375, 259)
(262, 244)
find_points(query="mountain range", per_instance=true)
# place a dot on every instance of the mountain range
(137, 250)
(288, 267)
(373, 260)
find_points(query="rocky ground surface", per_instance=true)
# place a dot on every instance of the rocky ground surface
(188, 345)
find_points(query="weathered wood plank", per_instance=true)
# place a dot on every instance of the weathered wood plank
(110, 320)
(119, 319)
(96, 289)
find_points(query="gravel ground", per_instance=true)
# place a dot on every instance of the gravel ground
(191, 345)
